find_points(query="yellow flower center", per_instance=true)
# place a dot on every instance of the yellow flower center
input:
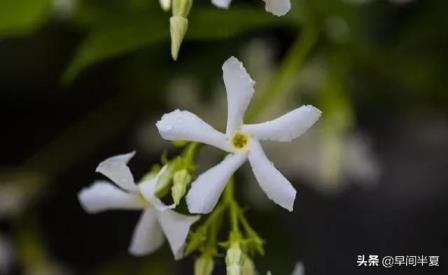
(143, 200)
(240, 140)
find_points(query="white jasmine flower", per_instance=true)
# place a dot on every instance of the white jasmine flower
(241, 141)
(276, 7)
(157, 220)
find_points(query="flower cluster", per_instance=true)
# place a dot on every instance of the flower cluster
(241, 142)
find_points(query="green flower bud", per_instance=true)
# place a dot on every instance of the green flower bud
(163, 184)
(248, 267)
(204, 265)
(181, 179)
(182, 7)
(178, 28)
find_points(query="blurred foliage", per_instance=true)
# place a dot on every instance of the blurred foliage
(24, 16)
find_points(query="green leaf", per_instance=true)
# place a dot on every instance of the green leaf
(21, 17)
(107, 43)
(126, 34)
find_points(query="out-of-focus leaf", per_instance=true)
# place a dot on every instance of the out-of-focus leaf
(107, 43)
(219, 24)
(128, 34)
(22, 16)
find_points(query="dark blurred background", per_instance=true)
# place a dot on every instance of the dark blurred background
(84, 80)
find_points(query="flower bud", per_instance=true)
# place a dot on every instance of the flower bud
(234, 259)
(248, 267)
(165, 4)
(178, 28)
(182, 7)
(233, 269)
(234, 254)
(204, 265)
(181, 179)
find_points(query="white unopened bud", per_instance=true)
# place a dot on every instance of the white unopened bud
(165, 4)
(178, 28)
(234, 259)
(233, 269)
(204, 265)
(180, 181)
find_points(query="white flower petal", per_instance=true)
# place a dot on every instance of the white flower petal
(116, 169)
(184, 125)
(148, 235)
(148, 190)
(102, 195)
(206, 189)
(287, 127)
(278, 7)
(176, 227)
(240, 88)
(273, 183)
(224, 4)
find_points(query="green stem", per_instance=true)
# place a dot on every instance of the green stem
(231, 205)
(245, 223)
(191, 150)
(219, 210)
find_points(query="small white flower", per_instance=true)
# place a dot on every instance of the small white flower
(241, 141)
(276, 7)
(157, 219)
